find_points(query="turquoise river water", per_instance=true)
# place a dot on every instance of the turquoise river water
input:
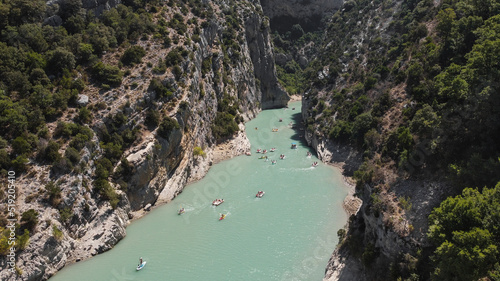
(288, 234)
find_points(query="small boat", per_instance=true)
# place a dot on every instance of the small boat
(281, 120)
(272, 149)
(275, 130)
(258, 150)
(294, 146)
(217, 202)
(248, 153)
(181, 211)
(315, 164)
(141, 265)
(223, 216)
(263, 157)
(260, 194)
(264, 151)
(282, 156)
(273, 162)
(308, 154)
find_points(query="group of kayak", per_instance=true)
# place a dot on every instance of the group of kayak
(217, 202)
(264, 151)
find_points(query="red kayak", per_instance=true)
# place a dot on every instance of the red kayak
(222, 217)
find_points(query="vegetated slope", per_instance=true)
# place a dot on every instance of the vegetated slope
(414, 86)
(104, 116)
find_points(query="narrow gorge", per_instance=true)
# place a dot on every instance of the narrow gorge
(109, 108)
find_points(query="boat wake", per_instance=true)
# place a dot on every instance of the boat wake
(296, 169)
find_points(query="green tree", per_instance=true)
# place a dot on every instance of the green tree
(445, 19)
(84, 115)
(167, 126)
(424, 121)
(61, 59)
(152, 118)
(466, 232)
(133, 55)
(21, 146)
(224, 125)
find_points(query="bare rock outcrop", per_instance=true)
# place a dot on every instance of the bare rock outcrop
(261, 52)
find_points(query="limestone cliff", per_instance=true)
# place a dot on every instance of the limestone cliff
(158, 166)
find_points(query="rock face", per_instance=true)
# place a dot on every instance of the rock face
(388, 241)
(257, 35)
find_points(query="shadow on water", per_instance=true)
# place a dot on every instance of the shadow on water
(298, 129)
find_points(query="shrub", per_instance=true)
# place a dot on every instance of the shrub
(84, 115)
(61, 59)
(23, 240)
(20, 146)
(29, 219)
(152, 118)
(167, 126)
(73, 155)
(57, 233)
(51, 152)
(54, 192)
(177, 71)
(161, 91)
(19, 164)
(173, 58)
(198, 151)
(107, 192)
(4, 159)
(133, 55)
(183, 106)
(79, 141)
(62, 166)
(107, 74)
(65, 215)
(224, 126)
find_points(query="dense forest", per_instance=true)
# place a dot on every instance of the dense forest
(414, 85)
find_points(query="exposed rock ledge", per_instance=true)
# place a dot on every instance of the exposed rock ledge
(238, 145)
(233, 147)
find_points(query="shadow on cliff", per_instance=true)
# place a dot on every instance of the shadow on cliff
(298, 129)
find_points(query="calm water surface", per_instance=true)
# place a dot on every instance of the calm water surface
(289, 234)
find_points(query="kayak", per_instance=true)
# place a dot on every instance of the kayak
(181, 211)
(222, 217)
(217, 202)
(141, 266)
